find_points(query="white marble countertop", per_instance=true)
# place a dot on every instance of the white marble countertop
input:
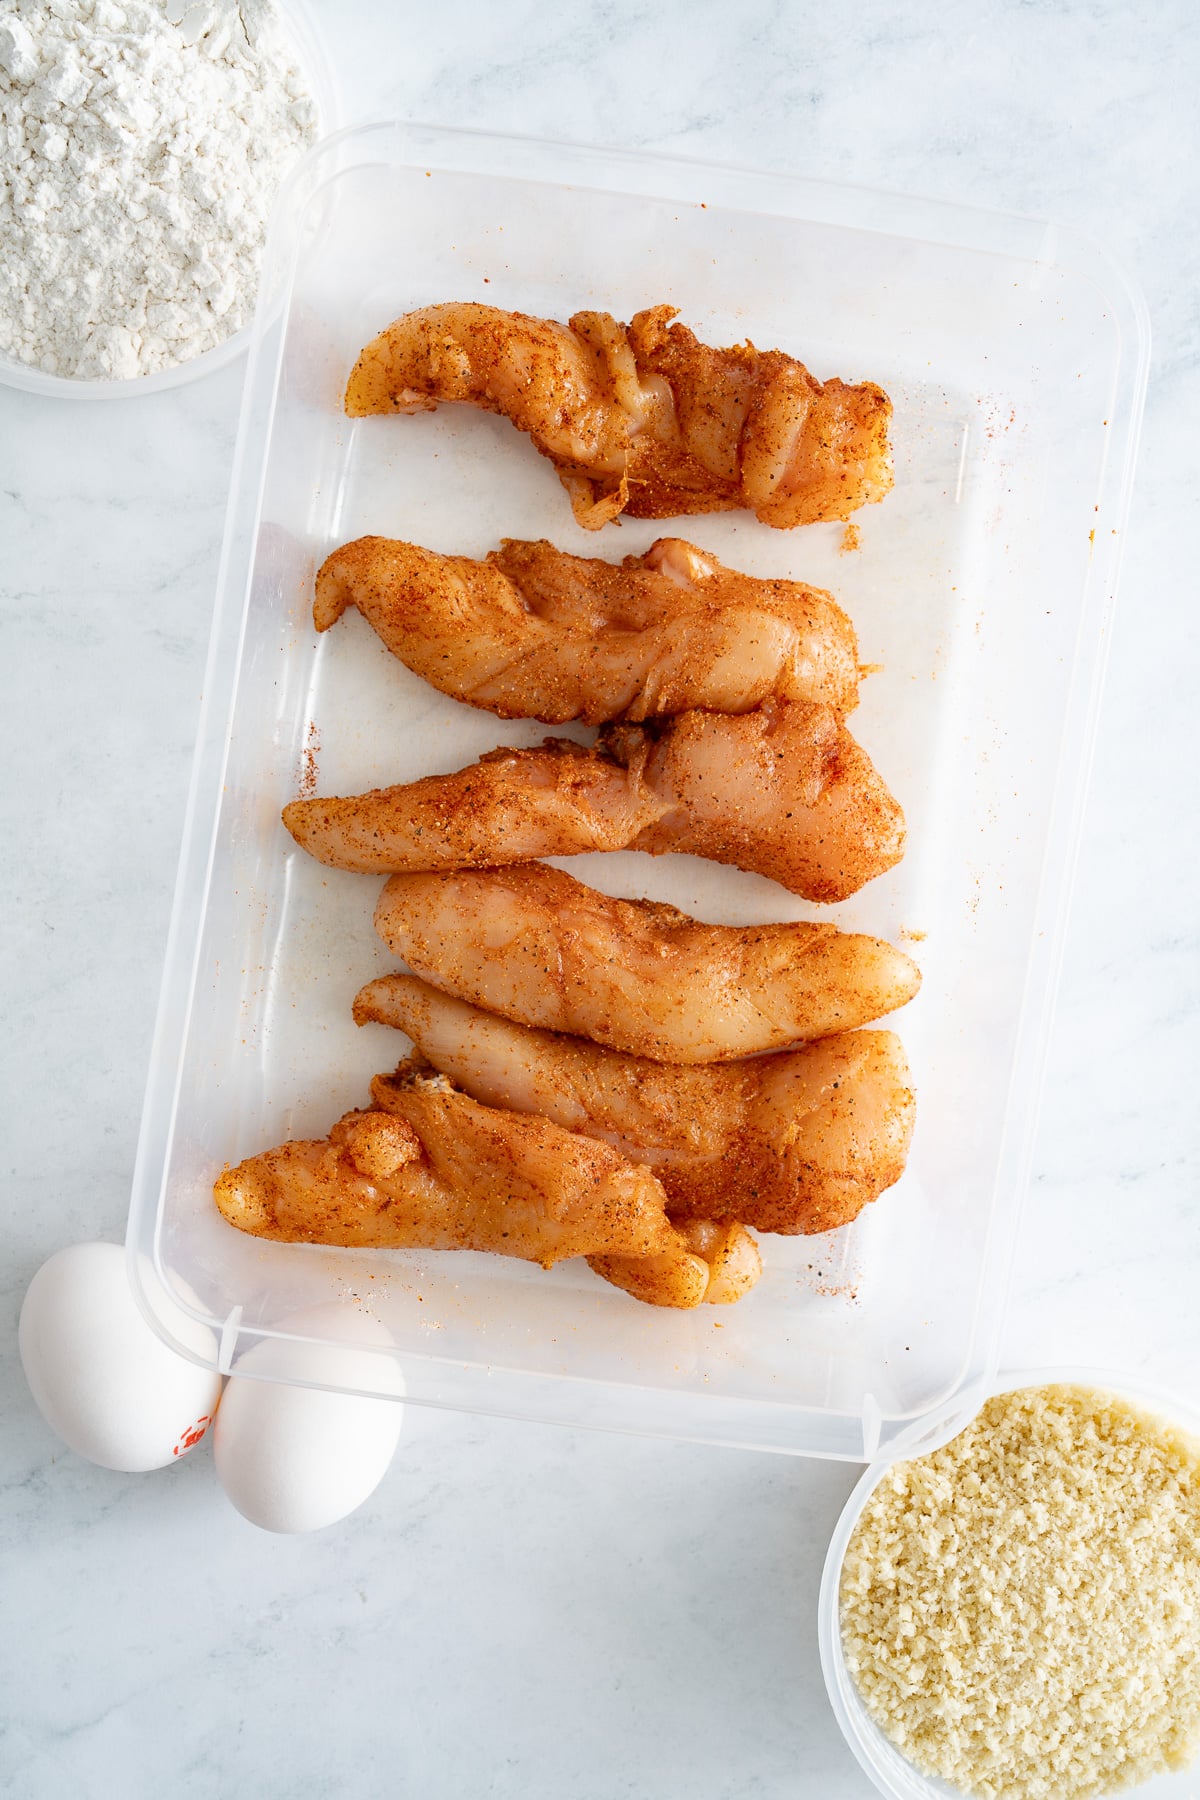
(523, 1610)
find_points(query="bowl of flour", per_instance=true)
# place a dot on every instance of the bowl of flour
(145, 143)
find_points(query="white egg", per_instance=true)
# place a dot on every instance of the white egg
(103, 1379)
(291, 1455)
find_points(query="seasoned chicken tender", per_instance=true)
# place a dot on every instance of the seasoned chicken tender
(532, 633)
(728, 1255)
(642, 418)
(547, 378)
(784, 792)
(537, 946)
(511, 806)
(799, 1141)
(431, 1169)
(700, 1260)
(440, 1172)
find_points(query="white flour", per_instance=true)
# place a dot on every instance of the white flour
(141, 145)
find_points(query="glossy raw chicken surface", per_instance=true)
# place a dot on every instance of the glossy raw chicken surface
(534, 633)
(537, 946)
(433, 1169)
(799, 1141)
(642, 418)
(784, 791)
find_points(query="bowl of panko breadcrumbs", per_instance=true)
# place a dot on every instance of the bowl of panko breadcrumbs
(1016, 1614)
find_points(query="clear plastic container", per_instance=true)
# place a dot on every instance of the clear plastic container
(1016, 357)
(891, 1772)
(304, 35)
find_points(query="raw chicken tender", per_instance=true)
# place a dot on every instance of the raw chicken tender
(799, 1141)
(727, 1254)
(537, 946)
(785, 792)
(534, 633)
(432, 1169)
(642, 418)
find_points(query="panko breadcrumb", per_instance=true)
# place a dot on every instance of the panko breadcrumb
(1020, 1610)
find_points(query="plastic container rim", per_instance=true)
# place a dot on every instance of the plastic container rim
(933, 207)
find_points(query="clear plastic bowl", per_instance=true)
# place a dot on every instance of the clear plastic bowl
(316, 65)
(890, 1771)
(1015, 354)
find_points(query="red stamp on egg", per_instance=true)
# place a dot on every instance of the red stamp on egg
(193, 1434)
